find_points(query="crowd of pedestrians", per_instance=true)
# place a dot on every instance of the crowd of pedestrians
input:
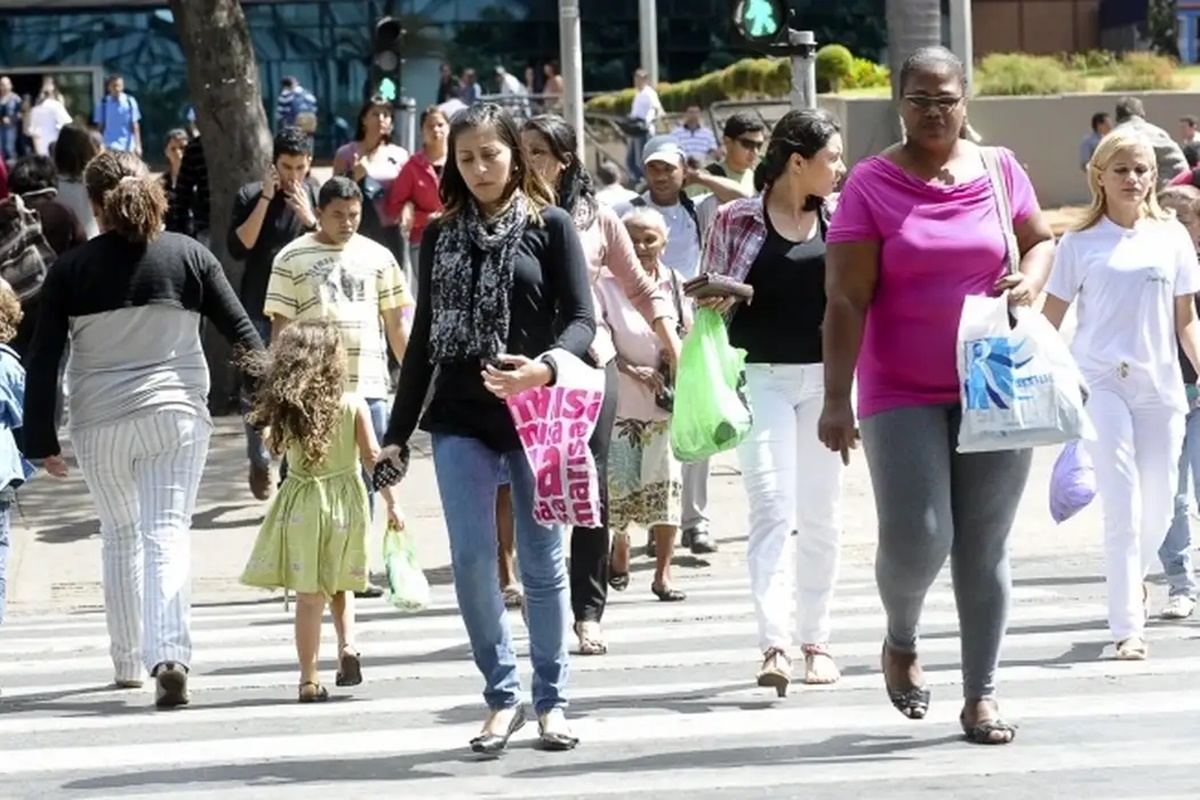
(490, 261)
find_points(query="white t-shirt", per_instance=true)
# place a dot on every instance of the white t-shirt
(1126, 281)
(46, 119)
(646, 105)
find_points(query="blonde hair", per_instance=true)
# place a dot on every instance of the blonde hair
(650, 217)
(1117, 141)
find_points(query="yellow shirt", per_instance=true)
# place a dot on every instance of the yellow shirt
(351, 285)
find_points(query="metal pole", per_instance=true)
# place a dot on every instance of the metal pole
(408, 123)
(571, 59)
(804, 69)
(961, 37)
(648, 35)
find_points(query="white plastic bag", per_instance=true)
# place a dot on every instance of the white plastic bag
(1018, 384)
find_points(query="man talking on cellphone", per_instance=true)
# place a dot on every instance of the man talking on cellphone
(267, 216)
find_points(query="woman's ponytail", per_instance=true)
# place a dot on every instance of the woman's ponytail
(132, 202)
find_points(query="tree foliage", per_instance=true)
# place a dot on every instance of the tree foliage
(1162, 27)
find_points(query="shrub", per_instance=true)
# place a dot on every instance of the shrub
(1092, 61)
(834, 65)
(866, 74)
(748, 78)
(1014, 74)
(1140, 72)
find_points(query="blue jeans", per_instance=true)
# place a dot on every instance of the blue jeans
(1176, 550)
(5, 504)
(461, 462)
(8, 143)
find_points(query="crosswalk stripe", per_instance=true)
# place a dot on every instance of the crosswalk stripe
(597, 730)
(625, 629)
(418, 669)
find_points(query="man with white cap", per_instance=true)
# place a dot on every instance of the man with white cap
(688, 221)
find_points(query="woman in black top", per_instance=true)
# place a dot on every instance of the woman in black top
(131, 301)
(502, 280)
(776, 243)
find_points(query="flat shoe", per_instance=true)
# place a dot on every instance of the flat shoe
(490, 743)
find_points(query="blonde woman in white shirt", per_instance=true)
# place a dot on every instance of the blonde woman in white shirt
(1132, 267)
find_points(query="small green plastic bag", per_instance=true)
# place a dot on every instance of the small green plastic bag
(408, 590)
(712, 413)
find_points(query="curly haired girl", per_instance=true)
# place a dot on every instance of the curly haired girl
(313, 540)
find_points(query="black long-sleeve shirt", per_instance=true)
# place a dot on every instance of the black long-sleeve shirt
(551, 307)
(280, 228)
(133, 313)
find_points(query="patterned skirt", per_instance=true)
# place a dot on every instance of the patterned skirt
(645, 480)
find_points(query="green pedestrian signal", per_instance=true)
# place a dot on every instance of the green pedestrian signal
(760, 20)
(387, 89)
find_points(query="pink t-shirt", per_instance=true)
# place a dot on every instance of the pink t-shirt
(939, 244)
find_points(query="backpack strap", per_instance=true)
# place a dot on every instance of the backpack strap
(690, 208)
(715, 168)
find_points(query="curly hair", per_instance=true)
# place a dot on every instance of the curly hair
(10, 312)
(300, 383)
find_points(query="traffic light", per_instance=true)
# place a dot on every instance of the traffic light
(387, 59)
(761, 22)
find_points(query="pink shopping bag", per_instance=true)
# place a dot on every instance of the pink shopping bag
(555, 424)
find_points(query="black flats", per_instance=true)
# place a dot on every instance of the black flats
(489, 743)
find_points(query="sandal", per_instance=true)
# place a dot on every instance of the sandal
(668, 594)
(313, 692)
(912, 702)
(819, 666)
(1132, 649)
(349, 669)
(985, 732)
(776, 672)
(591, 640)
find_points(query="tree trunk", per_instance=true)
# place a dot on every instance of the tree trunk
(224, 88)
(911, 25)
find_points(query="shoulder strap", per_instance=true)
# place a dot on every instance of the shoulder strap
(638, 202)
(675, 292)
(991, 161)
(690, 207)
(715, 168)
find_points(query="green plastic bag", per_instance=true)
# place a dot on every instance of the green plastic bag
(407, 588)
(712, 413)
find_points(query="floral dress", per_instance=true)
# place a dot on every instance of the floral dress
(313, 539)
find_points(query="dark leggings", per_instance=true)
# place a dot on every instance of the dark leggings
(590, 546)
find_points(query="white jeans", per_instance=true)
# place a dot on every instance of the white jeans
(143, 474)
(1136, 458)
(794, 483)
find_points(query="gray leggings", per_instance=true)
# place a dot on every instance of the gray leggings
(933, 502)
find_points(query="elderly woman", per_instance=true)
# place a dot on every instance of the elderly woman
(645, 480)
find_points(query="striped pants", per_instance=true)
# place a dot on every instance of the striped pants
(143, 474)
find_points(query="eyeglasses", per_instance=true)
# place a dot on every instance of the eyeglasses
(944, 103)
(751, 144)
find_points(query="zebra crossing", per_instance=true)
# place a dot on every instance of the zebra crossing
(671, 709)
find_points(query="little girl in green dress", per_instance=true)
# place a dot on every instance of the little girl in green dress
(313, 540)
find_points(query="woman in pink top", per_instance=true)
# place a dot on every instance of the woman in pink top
(373, 162)
(916, 230)
(552, 148)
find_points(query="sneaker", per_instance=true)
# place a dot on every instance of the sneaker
(1179, 606)
(700, 542)
(172, 685)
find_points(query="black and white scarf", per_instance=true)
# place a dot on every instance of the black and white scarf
(471, 316)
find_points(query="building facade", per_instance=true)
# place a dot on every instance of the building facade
(326, 43)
